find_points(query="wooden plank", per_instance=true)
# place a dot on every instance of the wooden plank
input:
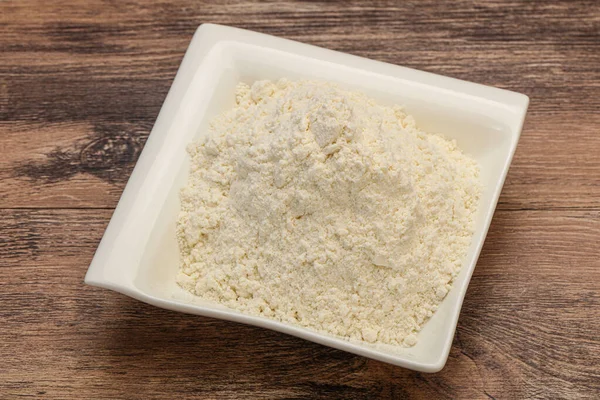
(94, 84)
(68, 164)
(83, 165)
(527, 329)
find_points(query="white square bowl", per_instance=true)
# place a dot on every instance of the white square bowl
(138, 255)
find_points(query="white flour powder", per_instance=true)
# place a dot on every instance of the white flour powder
(318, 207)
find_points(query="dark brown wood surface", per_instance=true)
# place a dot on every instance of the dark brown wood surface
(81, 84)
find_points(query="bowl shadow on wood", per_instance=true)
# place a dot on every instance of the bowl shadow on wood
(146, 348)
(205, 354)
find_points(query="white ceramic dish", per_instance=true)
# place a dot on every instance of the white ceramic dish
(138, 254)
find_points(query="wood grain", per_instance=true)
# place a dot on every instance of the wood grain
(81, 84)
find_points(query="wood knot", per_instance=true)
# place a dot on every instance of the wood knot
(110, 152)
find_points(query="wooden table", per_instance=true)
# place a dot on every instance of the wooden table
(82, 82)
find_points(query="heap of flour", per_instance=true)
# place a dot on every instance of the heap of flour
(316, 206)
